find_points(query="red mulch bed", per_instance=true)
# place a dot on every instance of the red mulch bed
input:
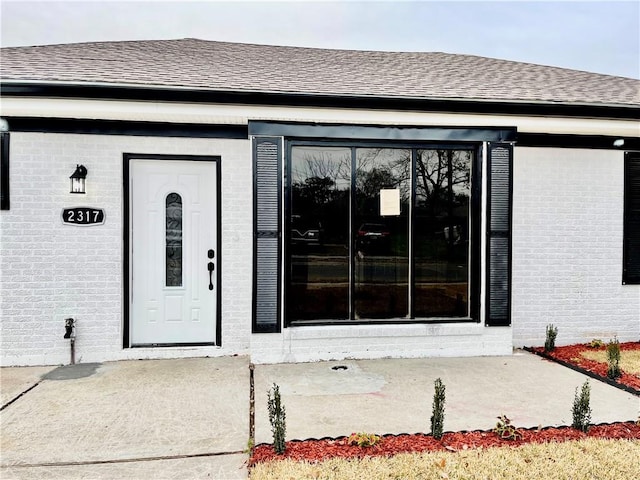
(570, 354)
(323, 449)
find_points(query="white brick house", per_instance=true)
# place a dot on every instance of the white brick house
(300, 204)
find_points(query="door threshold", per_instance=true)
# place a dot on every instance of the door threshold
(154, 345)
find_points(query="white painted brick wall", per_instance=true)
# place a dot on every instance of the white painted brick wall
(567, 247)
(567, 260)
(50, 271)
(314, 343)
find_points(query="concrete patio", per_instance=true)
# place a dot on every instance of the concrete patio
(189, 418)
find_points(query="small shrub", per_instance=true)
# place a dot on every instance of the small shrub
(364, 439)
(277, 418)
(581, 409)
(596, 343)
(613, 359)
(550, 342)
(250, 446)
(437, 418)
(505, 430)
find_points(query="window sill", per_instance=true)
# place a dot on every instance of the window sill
(383, 321)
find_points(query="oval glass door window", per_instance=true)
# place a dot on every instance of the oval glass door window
(173, 236)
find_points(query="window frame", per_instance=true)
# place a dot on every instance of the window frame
(475, 240)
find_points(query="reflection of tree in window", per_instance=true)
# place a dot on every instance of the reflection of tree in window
(383, 168)
(319, 233)
(325, 282)
(381, 273)
(441, 232)
(443, 176)
(173, 234)
(316, 162)
(320, 185)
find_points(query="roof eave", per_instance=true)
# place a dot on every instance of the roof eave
(175, 93)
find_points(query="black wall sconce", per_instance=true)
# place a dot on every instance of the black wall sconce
(78, 179)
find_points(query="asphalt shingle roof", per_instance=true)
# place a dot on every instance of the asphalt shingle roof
(238, 67)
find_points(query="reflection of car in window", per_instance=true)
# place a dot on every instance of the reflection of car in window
(305, 232)
(373, 237)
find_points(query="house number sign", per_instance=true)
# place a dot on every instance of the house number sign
(83, 216)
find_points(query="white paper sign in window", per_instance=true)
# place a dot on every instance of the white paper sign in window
(389, 201)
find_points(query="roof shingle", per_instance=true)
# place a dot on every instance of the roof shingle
(222, 66)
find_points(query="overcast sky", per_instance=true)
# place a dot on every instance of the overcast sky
(596, 36)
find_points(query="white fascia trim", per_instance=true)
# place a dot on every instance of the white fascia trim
(229, 114)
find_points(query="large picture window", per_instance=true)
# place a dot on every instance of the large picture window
(378, 233)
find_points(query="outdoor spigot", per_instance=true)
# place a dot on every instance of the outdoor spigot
(69, 323)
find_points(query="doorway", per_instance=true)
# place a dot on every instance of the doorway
(173, 277)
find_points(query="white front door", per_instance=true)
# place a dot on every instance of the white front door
(173, 256)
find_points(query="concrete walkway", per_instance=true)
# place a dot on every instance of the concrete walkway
(183, 418)
(188, 418)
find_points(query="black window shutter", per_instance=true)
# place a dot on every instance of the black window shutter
(631, 247)
(4, 171)
(267, 161)
(500, 187)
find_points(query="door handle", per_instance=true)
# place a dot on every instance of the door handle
(210, 267)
